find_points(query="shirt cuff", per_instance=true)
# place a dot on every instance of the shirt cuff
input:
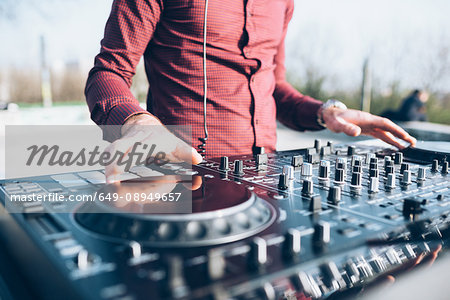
(307, 113)
(117, 116)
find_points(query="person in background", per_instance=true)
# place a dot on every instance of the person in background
(412, 108)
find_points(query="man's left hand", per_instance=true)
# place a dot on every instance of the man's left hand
(354, 122)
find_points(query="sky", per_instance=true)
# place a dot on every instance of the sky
(406, 40)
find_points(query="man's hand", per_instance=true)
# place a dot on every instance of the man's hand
(354, 122)
(148, 130)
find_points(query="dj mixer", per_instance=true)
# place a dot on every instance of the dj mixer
(310, 223)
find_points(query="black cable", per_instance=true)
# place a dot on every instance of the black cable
(202, 146)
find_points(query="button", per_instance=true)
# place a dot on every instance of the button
(390, 183)
(84, 259)
(341, 163)
(135, 249)
(373, 185)
(411, 206)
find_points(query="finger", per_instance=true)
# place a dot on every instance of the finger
(388, 125)
(387, 137)
(185, 153)
(339, 124)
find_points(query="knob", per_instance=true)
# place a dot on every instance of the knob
(341, 163)
(135, 249)
(411, 206)
(373, 184)
(389, 170)
(356, 160)
(352, 271)
(307, 169)
(339, 175)
(357, 169)
(387, 160)
(390, 183)
(398, 158)
(404, 167)
(334, 195)
(321, 234)
(259, 150)
(238, 167)
(175, 283)
(435, 165)
(216, 264)
(289, 171)
(224, 163)
(307, 188)
(373, 173)
(297, 161)
(261, 159)
(444, 169)
(257, 256)
(292, 243)
(421, 174)
(373, 166)
(83, 259)
(330, 144)
(325, 151)
(316, 204)
(317, 145)
(283, 182)
(356, 179)
(351, 150)
(266, 292)
(331, 275)
(369, 157)
(307, 284)
(324, 169)
(406, 178)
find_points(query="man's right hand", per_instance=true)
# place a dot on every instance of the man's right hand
(148, 130)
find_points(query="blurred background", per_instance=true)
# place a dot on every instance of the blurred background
(369, 54)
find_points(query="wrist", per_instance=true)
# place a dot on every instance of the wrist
(327, 107)
(139, 119)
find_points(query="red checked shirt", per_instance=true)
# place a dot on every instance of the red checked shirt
(247, 90)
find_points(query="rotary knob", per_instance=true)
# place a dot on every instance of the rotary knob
(373, 173)
(398, 158)
(339, 176)
(283, 182)
(307, 188)
(289, 171)
(404, 167)
(238, 167)
(406, 178)
(324, 169)
(434, 165)
(390, 182)
(135, 249)
(444, 169)
(316, 204)
(341, 163)
(334, 195)
(317, 145)
(297, 161)
(356, 179)
(421, 174)
(351, 150)
(307, 169)
(224, 163)
(373, 185)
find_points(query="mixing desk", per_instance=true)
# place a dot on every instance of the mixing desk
(314, 222)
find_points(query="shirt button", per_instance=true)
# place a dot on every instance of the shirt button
(253, 79)
(256, 122)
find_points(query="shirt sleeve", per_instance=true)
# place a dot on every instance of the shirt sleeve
(129, 29)
(294, 109)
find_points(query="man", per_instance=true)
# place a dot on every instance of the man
(246, 86)
(412, 108)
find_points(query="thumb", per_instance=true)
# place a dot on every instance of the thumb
(347, 127)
